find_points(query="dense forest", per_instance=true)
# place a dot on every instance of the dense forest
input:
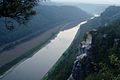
(105, 45)
(105, 53)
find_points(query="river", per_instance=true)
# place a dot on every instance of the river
(38, 65)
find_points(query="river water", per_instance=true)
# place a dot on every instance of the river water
(38, 65)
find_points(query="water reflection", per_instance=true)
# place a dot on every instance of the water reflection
(16, 11)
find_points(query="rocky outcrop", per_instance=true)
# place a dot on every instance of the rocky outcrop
(83, 64)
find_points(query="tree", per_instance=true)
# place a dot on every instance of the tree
(18, 10)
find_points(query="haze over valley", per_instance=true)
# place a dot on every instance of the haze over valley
(59, 40)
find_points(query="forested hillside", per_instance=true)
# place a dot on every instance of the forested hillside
(105, 51)
(46, 18)
(108, 16)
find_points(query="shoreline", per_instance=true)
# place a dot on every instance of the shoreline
(5, 67)
(22, 58)
(61, 59)
(29, 53)
(63, 68)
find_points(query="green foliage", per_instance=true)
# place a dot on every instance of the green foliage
(96, 76)
(106, 53)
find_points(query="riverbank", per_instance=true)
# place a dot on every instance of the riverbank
(35, 67)
(26, 49)
(63, 67)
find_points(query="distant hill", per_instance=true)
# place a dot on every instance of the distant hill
(93, 8)
(111, 14)
(47, 17)
(89, 8)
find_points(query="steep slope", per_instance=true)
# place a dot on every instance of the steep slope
(110, 15)
(104, 52)
(47, 17)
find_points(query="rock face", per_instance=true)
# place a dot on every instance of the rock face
(83, 64)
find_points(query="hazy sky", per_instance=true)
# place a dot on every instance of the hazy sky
(92, 1)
